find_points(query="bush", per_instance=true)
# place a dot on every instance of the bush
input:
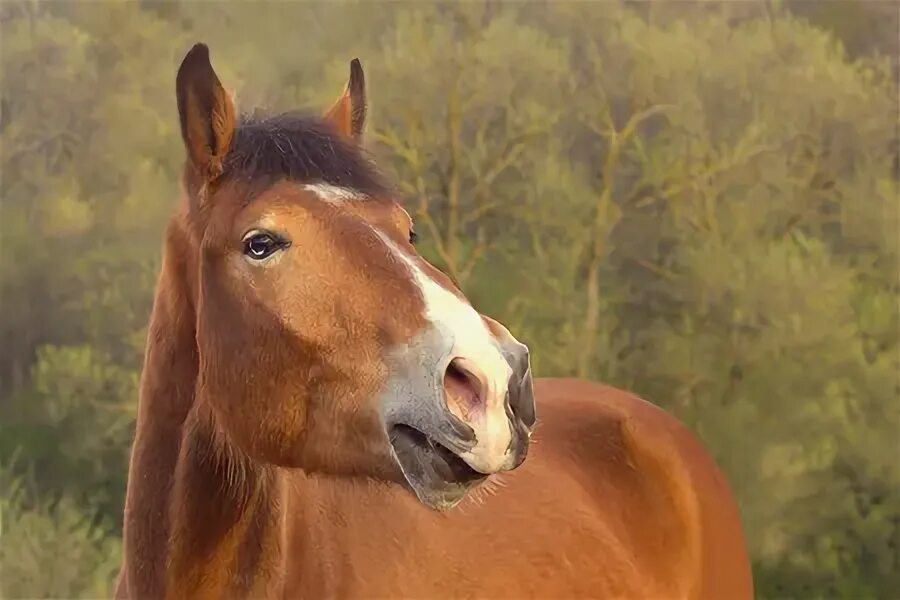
(53, 549)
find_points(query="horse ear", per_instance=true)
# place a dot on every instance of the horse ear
(206, 113)
(348, 114)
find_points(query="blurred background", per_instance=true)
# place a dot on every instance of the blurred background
(694, 201)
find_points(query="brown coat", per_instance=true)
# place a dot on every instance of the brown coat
(323, 414)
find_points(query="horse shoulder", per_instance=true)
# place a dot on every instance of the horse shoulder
(654, 483)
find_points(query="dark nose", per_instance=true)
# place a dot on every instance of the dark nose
(520, 410)
(521, 388)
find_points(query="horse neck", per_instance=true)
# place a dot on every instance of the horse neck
(227, 517)
(181, 473)
(168, 384)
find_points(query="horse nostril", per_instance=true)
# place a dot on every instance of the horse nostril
(463, 390)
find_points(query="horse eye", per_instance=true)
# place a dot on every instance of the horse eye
(261, 245)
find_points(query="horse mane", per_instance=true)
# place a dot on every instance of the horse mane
(300, 148)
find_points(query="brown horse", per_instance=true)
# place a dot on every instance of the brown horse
(317, 398)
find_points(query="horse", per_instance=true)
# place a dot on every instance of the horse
(323, 413)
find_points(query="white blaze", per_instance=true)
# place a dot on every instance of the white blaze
(473, 342)
(332, 193)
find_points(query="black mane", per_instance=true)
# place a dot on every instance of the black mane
(300, 148)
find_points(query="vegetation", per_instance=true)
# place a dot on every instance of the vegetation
(694, 201)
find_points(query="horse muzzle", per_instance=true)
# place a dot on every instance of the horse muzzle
(453, 437)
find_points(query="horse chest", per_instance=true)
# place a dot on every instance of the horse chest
(384, 546)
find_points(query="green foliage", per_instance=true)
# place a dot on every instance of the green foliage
(696, 201)
(76, 421)
(52, 549)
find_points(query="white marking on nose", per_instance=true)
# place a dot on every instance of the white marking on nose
(332, 193)
(473, 342)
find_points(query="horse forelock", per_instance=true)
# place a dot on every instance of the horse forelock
(300, 148)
